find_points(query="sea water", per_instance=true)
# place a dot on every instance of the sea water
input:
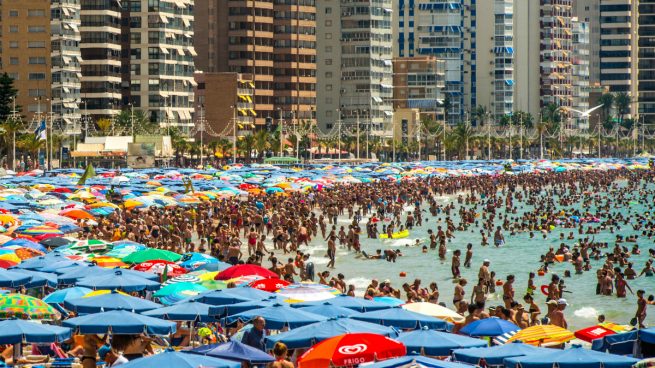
(519, 256)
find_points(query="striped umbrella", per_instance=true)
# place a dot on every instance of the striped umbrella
(182, 278)
(25, 307)
(41, 230)
(543, 335)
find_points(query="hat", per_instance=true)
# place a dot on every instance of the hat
(562, 301)
(387, 281)
(486, 261)
(552, 302)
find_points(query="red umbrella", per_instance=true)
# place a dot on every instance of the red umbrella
(62, 190)
(592, 333)
(245, 270)
(351, 350)
(269, 285)
(6, 263)
(158, 266)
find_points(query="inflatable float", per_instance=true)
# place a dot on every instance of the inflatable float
(398, 235)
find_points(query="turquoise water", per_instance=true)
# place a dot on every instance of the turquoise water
(520, 255)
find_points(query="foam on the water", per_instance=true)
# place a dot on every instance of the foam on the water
(360, 284)
(586, 313)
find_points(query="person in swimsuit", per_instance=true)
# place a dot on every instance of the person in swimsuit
(280, 352)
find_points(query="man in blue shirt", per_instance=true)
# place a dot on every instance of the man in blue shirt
(255, 336)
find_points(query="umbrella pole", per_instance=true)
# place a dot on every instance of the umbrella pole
(18, 349)
(191, 333)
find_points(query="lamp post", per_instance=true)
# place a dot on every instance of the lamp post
(339, 133)
(281, 127)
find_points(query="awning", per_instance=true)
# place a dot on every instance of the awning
(243, 98)
(170, 114)
(187, 23)
(163, 18)
(388, 62)
(388, 113)
(567, 31)
(170, 35)
(66, 12)
(386, 85)
(251, 84)
(79, 75)
(74, 27)
(164, 50)
(66, 90)
(248, 99)
(68, 121)
(188, 35)
(193, 83)
(193, 52)
(509, 82)
(181, 52)
(66, 59)
(252, 111)
(70, 105)
(242, 112)
(377, 99)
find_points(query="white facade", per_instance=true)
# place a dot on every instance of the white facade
(66, 70)
(581, 69)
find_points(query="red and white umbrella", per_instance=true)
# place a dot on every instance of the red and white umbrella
(158, 267)
(351, 350)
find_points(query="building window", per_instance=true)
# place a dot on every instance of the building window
(36, 13)
(36, 60)
(36, 44)
(328, 87)
(13, 44)
(328, 10)
(328, 74)
(36, 29)
(328, 61)
(13, 76)
(13, 29)
(13, 13)
(328, 100)
(328, 48)
(328, 36)
(36, 76)
(13, 60)
(328, 23)
(328, 113)
(36, 92)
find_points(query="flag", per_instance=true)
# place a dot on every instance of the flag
(188, 185)
(88, 173)
(41, 131)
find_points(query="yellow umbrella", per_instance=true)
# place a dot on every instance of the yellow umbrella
(131, 203)
(102, 204)
(543, 335)
(208, 276)
(101, 292)
(436, 311)
(8, 219)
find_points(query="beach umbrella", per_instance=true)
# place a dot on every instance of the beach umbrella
(436, 343)
(91, 245)
(9, 256)
(400, 318)
(269, 285)
(245, 270)
(25, 307)
(12, 279)
(158, 267)
(172, 359)
(193, 260)
(151, 254)
(493, 326)
(122, 250)
(60, 296)
(212, 267)
(231, 296)
(277, 317)
(39, 279)
(435, 310)
(345, 301)
(495, 355)
(350, 350)
(22, 332)
(118, 280)
(61, 267)
(40, 230)
(185, 289)
(5, 263)
(109, 301)
(73, 274)
(415, 361)
(390, 301)
(543, 334)
(119, 322)
(25, 243)
(231, 309)
(23, 253)
(592, 333)
(108, 262)
(233, 350)
(77, 214)
(576, 357)
(305, 293)
(330, 311)
(184, 311)
(37, 263)
(307, 336)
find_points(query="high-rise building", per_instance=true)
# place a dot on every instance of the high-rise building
(556, 48)
(438, 28)
(25, 52)
(418, 83)
(580, 76)
(66, 64)
(619, 47)
(355, 83)
(161, 52)
(274, 41)
(100, 48)
(588, 11)
(646, 63)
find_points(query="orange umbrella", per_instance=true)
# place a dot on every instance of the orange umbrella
(109, 262)
(77, 213)
(351, 349)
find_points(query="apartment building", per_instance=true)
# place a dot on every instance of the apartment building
(588, 11)
(418, 83)
(273, 41)
(355, 63)
(556, 48)
(580, 70)
(25, 53)
(646, 63)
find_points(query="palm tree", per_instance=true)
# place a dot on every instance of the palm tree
(463, 133)
(9, 129)
(128, 119)
(622, 105)
(104, 125)
(607, 100)
(541, 127)
(245, 145)
(261, 143)
(31, 143)
(447, 106)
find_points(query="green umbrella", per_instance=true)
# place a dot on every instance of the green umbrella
(151, 255)
(181, 288)
(214, 284)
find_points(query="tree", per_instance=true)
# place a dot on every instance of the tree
(607, 100)
(447, 106)
(261, 143)
(622, 105)
(9, 129)
(142, 124)
(7, 94)
(104, 125)
(551, 115)
(31, 143)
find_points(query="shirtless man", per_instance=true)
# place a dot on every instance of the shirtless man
(557, 316)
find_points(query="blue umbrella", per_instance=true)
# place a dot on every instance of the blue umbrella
(436, 343)
(194, 260)
(109, 301)
(37, 263)
(118, 280)
(12, 279)
(38, 278)
(62, 295)
(401, 318)
(345, 301)
(26, 243)
(496, 354)
(575, 357)
(120, 322)
(231, 309)
(172, 359)
(330, 311)
(231, 296)
(493, 326)
(184, 311)
(414, 360)
(278, 316)
(14, 331)
(233, 350)
(73, 274)
(61, 267)
(390, 301)
(215, 266)
(307, 336)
